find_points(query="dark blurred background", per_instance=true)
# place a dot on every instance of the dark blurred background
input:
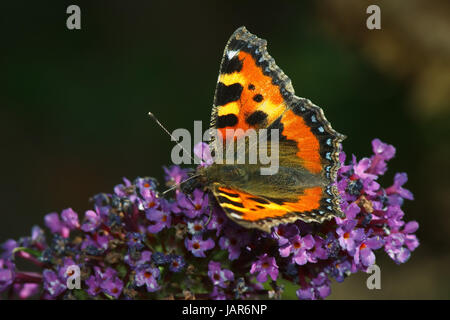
(73, 104)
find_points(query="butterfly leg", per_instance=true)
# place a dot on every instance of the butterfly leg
(211, 206)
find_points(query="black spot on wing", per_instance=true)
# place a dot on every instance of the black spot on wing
(242, 40)
(277, 124)
(230, 66)
(251, 86)
(258, 98)
(226, 94)
(228, 120)
(257, 118)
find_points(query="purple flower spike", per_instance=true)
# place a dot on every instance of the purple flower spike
(196, 226)
(175, 175)
(93, 283)
(92, 221)
(148, 276)
(411, 227)
(8, 246)
(306, 293)
(38, 236)
(149, 199)
(64, 272)
(361, 169)
(318, 252)
(197, 246)
(219, 277)
(158, 220)
(394, 214)
(396, 189)
(217, 222)
(400, 244)
(364, 254)
(55, 225)
(144, 258)
(265, 266)
(122, 189)
(340, 269)
(112, 286)
(176, 263)
(146, 188)
(284, 232)
(196, 206)
(202, 151)
(318, 288)
(351, 211)
(53, 284)
(137, 243)
(135, 240)
(233, 241)
(321, 285)
(218, 294)
(348, 236)
(7, 274)
(109, 273)
(26, 290)
(146, 183)
(70, 219)
(383, 152)
(299, 247)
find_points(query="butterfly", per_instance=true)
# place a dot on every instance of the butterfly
(253, 93)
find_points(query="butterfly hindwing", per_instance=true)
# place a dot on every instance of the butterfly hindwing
(254, 211)
(316, 145)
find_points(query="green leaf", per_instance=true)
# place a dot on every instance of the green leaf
(80, 294)
(121, 270)
(33, 252)
(109, 297)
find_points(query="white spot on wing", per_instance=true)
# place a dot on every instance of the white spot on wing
(232, 53)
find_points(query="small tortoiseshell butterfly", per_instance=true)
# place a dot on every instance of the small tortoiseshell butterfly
(253, 92)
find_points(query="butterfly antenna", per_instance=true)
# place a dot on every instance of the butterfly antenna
(170, 135)
(179, 184)
(187, 152)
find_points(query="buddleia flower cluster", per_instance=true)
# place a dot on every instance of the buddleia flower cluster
(137, 244)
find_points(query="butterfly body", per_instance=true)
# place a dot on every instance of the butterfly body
(253, 93)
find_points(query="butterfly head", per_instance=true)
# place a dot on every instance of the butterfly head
(195, 181)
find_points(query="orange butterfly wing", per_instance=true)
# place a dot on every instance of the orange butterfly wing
(252, 92)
